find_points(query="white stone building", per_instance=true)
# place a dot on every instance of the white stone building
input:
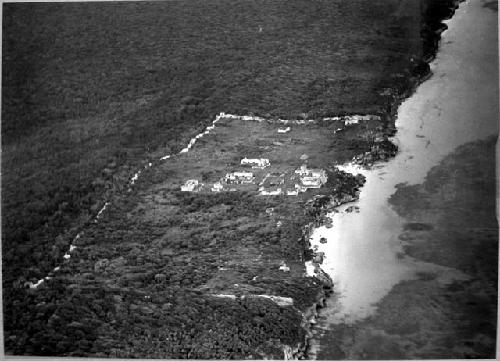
(311, 182)
(351, 120)
(191, 185)
(239, 177)
(217, 187)
(256, 163)
(270, 191)
(310, 178)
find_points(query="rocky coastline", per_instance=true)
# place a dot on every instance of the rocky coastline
(319, 206)
(382, 150)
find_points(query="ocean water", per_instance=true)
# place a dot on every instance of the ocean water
(458, 104)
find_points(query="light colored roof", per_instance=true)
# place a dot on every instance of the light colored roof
(243, 174)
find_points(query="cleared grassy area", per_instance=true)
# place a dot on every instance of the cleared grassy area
(221, 151)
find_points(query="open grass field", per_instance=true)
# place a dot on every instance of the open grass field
(90, 91)
(222, 150)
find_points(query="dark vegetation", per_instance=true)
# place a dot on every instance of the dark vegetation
(91, 90)
(144, 285)
(433, 13)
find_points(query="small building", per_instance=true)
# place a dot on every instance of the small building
(217, 187)
(351, 120)
(310, 178)
(302, 170)
(239, 178)
(191, 185)
(300, 187)
(256, 163)
(248, 176)
(272, 184)
(284, 130)
(284, 267)
(311, 182)
(320, 174)
(270, 191)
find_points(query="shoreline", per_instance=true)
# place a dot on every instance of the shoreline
(299, 352)
(449, 309)
(422, 73)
